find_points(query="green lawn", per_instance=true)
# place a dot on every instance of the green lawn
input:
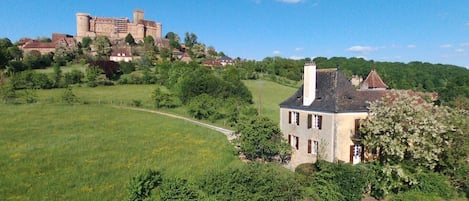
(116, 94)
(270, 95)
(65, 69)
(89, 152)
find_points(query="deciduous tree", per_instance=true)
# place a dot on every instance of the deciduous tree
(406, 128)
(103, 46)
(260, 138)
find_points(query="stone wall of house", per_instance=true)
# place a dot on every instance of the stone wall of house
(346, 126)
(323, 137)
(334, 138)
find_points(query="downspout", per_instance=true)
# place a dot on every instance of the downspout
(334, 124)
(334, 137)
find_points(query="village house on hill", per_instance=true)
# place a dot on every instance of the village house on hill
(321, 119)
(30, 45)
(121, 54)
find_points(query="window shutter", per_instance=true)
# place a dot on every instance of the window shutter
(297, 145)
(319, 122)
(297, 118)
(351, 153)
(289, 117)
(289, 139)
(309, 146)
(357, 126)
(310, 120)
(362, 153)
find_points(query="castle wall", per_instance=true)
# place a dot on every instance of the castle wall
(117, 28)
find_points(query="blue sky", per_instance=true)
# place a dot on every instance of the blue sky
(435, 31)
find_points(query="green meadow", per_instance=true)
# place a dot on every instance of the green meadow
(269, 95)
(90, 152)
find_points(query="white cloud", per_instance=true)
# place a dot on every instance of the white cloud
(446, 46)
(411, 46)
(299, 49)
(464, 44)
(459, 50)
(276, 52)
(290, 1)
(361, 49)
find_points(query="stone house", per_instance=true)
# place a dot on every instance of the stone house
(121, 54)
(321, 119)
(29, 45)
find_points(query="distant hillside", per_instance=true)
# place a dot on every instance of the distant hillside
(448, 80)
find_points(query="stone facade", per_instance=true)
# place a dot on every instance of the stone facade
(117, 28)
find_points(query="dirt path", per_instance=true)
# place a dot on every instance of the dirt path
(228, 133)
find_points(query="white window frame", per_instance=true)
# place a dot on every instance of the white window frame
(315, 147)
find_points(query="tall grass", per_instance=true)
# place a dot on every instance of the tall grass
(89, 152)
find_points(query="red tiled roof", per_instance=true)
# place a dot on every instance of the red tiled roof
(374, 81)
(211, 63)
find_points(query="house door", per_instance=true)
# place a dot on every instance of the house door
(356, 153)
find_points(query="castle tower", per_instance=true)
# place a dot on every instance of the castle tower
(138, 15)
(83, 25)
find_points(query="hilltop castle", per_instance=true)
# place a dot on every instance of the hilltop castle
(117, 28)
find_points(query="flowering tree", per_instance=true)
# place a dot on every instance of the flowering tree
(406, 128)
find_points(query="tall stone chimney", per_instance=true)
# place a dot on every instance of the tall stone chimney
(309, 85)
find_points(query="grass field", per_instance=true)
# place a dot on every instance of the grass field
(270, 95)
(65, 69)
(117, 94)
(89, 152)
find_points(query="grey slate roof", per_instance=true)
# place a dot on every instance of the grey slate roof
(335, 94)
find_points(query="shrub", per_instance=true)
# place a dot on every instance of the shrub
(434, 183)
(31, 80)
(140, 187)
(204, 107)
(337, 181)
(73, 77)
(127, 67)
(162, 99)
(136, 103)
(252, 181)
(7, 93)
(30, 96)
(68, 96)
(177, 189)
(414, 196)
